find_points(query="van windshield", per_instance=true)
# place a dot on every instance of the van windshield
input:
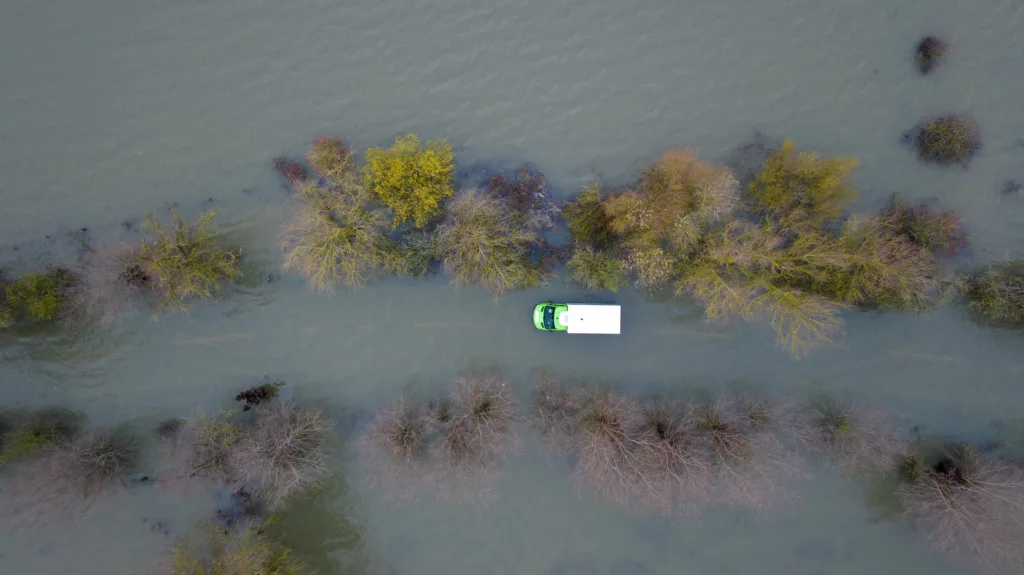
(549, 317)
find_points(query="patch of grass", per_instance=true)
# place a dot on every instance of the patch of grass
(329, 157)
(597, 270)
(182, 260)
(481, 242)
(948, 140)
(411, 179)
(39, 297)
(930, 52)
(803, 188)
(336, 236)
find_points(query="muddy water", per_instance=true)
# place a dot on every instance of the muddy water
(116, 108)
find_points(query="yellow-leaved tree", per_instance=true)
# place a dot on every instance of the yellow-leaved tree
(411, 180)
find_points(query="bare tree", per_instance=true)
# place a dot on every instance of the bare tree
(70, 475)
(971, 507)
(395, 444)
(751, 465)
(282, 452)
(477, 435)
(855, 438)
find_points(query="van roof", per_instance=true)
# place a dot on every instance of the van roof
(593, 318)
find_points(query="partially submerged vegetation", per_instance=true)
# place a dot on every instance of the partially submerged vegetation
(410, 179)
(970, 506)
(994, 294)
(948, 140)
(779, 255)
(37, 297)
(455, 447)
(243, 549)
(931, 51)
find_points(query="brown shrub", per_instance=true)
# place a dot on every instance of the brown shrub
(395, 443)
(283, 451)
(971, 508)
(750, 464)
(855, 438)
(70, 475)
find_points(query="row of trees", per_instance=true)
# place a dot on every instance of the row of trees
(264, 454)
(662, 456)
(775, 248)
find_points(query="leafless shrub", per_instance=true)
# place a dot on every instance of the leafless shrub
(112, 281)
(70, 475)
(556, 410)
(855, 438)
(282, 452)
(751, 465)
(673, 470)
(201, 447)
(477, 434)
(971, 507)
(395, 444)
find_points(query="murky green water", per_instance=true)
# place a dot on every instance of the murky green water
(113, 108)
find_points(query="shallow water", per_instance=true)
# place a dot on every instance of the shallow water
(116, 108)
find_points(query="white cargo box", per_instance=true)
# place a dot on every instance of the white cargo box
(592, 318)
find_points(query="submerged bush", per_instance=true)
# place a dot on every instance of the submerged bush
(38, 297)
(411, 180)
(971, 507)
(597, 270)
(930, 229)
(527, 193)
(948, 140)
(329, 157)
(930, 52)
(481, 242)
(803, 188)
(995, 293)
(396, 442)
(856, 439)
(336, 235)
(202, 448)
(477, 428)
(240, 550)
(283, 451)
(587, 220)
(30, 435)
(182, 260)
(255, 395)
(72, 473)
(294, 173)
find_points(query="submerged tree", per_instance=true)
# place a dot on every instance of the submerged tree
(283, 451)
(971, 507)
(411, 180)
(930, 52)
(855, 438)
(396, 445)
(181, 260)
(336, 235)
(597, 270)
(481, 242)
(930, 229)
(526, 192)
(329, 157)
(587, 220)
(72, 473)
(802, 189)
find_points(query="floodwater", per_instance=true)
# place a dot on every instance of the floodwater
(114, 108)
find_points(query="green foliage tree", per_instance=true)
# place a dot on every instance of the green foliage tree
(481, 242)
(597, 270)
(411, 180)
(336, 235)
(587, 220)
(38, 297)
(802, 189)
(184, 260)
